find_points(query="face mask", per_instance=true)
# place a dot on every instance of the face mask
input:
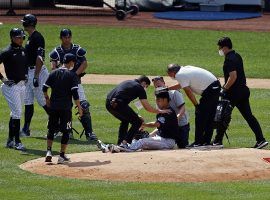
(172, 78)
(71, 68)
(220, 52)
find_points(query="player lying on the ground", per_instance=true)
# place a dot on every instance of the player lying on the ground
(163, 137)
(64, 86)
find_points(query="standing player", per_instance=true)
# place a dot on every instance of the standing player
(177, 103)
(236, 90)
(13, 87)
(64, 86)
(57, 56)
(37, 72)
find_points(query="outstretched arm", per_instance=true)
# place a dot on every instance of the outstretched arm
(191, 96)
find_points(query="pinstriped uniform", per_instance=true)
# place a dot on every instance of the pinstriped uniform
(31, 92)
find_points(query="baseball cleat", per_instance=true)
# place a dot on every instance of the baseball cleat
(48, 156)
(25, 133)
(91, 137)
(19, 146)
(261, 144)
(10, 144)
(63, 159)
(103, 147)
(194, 146)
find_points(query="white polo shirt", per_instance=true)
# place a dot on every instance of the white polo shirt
(196, 78)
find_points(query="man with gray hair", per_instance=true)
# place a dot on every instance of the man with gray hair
(195, 80)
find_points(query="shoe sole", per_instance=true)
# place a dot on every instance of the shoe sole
(48, 159)
(262, 145)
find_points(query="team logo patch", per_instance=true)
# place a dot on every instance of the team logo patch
(161, 120)
(23, 54)
(69, 125)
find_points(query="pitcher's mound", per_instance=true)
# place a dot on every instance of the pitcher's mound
(161, 166)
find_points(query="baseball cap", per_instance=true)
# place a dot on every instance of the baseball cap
(68, 58)
(157, 78)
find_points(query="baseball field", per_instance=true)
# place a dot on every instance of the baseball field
(133, 51)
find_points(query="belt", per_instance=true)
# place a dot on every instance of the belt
(32, 67)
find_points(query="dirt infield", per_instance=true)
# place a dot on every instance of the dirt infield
(115, 79)
(161, 166)
(146, 20)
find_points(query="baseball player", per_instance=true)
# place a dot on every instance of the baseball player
(56, 57)
(167, 128)
(177, 103)
(13, 87)
(37, 72)
(195, 80)
(64, 85)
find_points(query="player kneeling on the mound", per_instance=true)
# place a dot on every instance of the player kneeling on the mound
(164, 136)
(64, 86)
(13, 87)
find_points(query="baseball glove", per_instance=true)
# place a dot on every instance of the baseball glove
(141, 134)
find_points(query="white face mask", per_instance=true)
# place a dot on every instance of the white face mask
(220, 52)
(172, 78)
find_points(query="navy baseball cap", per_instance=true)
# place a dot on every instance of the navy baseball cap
(157, 78)
(65, 33)
(68, 58)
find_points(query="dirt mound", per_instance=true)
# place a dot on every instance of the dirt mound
(161, 166)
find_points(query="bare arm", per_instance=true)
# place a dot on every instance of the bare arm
(231, 80)
(77, 102)
(39, 64)
(82, 68)
(48, 103)
(149, 108)
(181, 112)
(151, 124)
(175, 87)
(190, 95)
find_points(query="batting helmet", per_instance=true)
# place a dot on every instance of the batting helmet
(17, 32)
(65, 33)
(29, 20)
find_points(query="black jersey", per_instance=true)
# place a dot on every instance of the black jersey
(168, 125)
(127, 91)
(15, 62)
(234, 62)
(61, 81)
(35, 47)
(59, 52)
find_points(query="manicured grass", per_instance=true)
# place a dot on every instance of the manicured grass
(18, 184)
(149, 51)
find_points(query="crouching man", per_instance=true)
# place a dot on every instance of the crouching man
(166, 132)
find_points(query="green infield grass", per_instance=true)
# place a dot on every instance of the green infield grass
(18, 184)
(149, 51)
